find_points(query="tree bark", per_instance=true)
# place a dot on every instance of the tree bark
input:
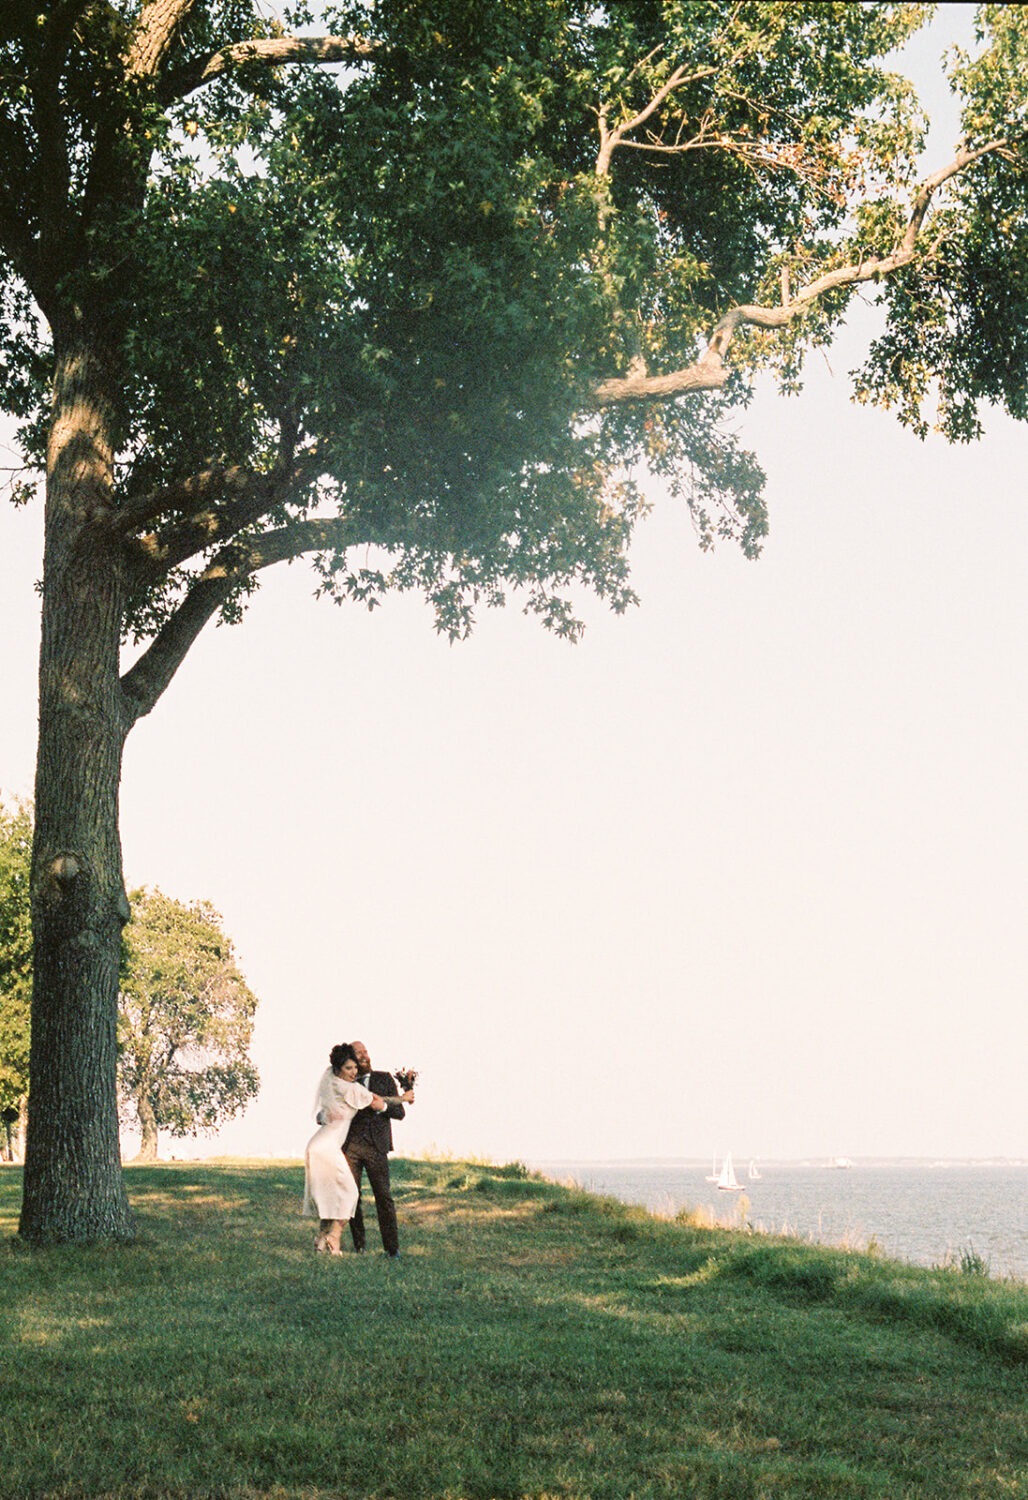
(74, 1188)
(147, 1128)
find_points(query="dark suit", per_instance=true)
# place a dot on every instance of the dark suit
(367, 1145)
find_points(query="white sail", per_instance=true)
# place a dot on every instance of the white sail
(713, 1171)
(754, 1173)
(727, 1181)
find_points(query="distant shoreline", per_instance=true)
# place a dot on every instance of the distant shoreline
(823, 1163)
(923, 1210)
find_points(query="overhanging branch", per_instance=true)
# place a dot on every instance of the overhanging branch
(271, 52)
(709, 372)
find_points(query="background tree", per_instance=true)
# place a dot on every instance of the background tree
(185, 1022)
(15, 965)
(185, 1012)
(415, 297)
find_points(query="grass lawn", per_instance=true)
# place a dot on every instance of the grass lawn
(533, 1342)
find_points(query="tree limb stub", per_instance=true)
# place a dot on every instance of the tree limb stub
(709, 372)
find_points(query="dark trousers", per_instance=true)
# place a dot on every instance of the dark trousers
(361, 1155)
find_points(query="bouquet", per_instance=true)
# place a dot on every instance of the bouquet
(406, 1078)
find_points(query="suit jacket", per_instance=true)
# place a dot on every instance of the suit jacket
(373, 1127)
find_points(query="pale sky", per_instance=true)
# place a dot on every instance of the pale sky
(745, 870)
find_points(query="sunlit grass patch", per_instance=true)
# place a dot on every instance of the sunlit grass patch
(532, 1341)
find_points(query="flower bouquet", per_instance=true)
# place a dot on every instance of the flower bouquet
(406, 1078)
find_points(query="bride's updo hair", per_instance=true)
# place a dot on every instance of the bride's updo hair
(341, 1053)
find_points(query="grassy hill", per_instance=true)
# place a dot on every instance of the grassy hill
(533, 1342)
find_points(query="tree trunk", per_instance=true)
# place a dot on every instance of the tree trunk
(74, 1189)
(147, 1128)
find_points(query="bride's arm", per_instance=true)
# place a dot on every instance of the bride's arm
(336, 1102)
(327, 1105)
(356, 1096)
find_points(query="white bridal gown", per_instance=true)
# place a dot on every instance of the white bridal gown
(329, 1189)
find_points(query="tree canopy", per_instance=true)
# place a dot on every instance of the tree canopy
(440, 298)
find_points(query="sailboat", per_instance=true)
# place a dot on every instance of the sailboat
(727, 1181)
(754, 1173)
(713, 1171)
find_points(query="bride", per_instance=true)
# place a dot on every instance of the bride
(330, 1193)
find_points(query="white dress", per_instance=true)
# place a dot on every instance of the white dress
(329, 1191)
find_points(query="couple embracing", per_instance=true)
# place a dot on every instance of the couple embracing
(354, 1107)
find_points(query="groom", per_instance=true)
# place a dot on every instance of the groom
(367, 1145)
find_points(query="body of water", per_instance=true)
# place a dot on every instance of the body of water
(926, 1212)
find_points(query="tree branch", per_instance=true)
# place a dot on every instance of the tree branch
(60, 28)
(18, 245)
(206, 488)
(144, 682)
(54, 163)
(611, 139)
(35, 248)
(709, 372)
(332, 533)
(188, 496)
(271, 52)
(153, 35)
(218, 512)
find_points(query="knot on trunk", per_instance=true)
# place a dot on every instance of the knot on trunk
(65, 869)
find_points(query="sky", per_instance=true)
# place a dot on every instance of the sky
(744, 870)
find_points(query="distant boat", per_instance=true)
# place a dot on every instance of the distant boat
(840, 1163)
(713, 1171)
(753, 1172)
(726, 1181)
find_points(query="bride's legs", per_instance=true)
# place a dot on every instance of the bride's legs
(334, 1236)
(321, 1242)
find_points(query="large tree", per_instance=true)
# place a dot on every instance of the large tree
(413, 291)
(185, 1021)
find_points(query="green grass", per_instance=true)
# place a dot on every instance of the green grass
(533, 1341)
